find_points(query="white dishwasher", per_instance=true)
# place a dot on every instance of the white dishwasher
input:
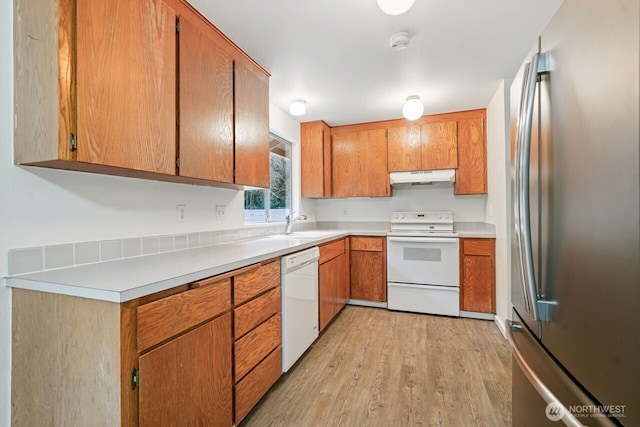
(299, 304)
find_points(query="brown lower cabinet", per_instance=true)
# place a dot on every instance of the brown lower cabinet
(188, 379)
(332, 280)
(369, 268)
(171, 358)
(477, 275)
(257, 335)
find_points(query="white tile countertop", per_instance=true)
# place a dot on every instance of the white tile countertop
(474, 229)
(129, 278)
(125, 279)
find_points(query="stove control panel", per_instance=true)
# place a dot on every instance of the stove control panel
(442, 217)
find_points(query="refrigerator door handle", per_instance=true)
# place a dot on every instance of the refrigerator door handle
(516, 198)
(525, 208)
(567, 417)
(540, 63)
(530, 298)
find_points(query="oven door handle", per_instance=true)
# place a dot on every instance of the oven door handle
(423, 287)
(423, 239)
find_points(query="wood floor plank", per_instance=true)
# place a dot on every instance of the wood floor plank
(374, 367)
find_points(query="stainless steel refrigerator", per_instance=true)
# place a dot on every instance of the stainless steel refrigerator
(575, 276)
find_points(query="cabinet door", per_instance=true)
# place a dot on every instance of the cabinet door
(374, 176)
(477, 292)
(315, 151)
(206, 103)
(471, 177)
(477, 275)
(439, 145)
(126, 84)
(341, 283)
(251, 125)
(368, 276)
(187, 381)
(328, 288)
(359, 164)
(345, 164)
(404, 148)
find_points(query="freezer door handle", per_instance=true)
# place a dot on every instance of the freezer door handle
(567, 417)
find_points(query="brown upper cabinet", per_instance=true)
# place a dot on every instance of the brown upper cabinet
(123, 89)
(251, 125)
(206, 103)
(471, 176)
(120, 98)
(359, 162)
(315, 150)
(350, 162)
(423, 146)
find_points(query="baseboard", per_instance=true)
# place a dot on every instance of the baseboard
(476, 315)
(367, 303)
(501, 326)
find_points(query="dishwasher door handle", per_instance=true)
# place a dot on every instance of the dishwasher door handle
(291, 269)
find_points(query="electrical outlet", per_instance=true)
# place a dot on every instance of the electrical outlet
(220, 212)
(345, 211)
(181, 213)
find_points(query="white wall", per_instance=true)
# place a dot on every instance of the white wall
(498, 149)
(43, 207)
(286, 127)
(465, 208)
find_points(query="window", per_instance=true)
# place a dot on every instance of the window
(273, 204)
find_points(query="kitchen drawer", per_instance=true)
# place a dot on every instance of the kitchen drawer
(251, 314)
(251, 389)
(257, 344)
(478, 246)
(253, 283)
(371, 244)
(331, 250)
(167, 317)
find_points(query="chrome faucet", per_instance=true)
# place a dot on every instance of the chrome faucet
(290, 220)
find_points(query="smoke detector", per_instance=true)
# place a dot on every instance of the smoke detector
(399, 41)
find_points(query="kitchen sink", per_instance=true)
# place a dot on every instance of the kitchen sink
(309, 235)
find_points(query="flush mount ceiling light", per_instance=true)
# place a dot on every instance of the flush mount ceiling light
(395, 7)
(298, 107)
(413, 108)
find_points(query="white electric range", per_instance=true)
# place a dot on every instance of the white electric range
(423, 263)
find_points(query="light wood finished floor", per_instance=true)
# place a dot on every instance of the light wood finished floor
(374, 367)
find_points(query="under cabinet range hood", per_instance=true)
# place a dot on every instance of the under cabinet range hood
(442, 176)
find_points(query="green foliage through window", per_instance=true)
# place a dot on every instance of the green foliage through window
(256, 210)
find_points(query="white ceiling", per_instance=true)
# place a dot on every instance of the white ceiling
(335, 54)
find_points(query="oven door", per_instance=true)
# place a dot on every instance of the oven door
(423, 260)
